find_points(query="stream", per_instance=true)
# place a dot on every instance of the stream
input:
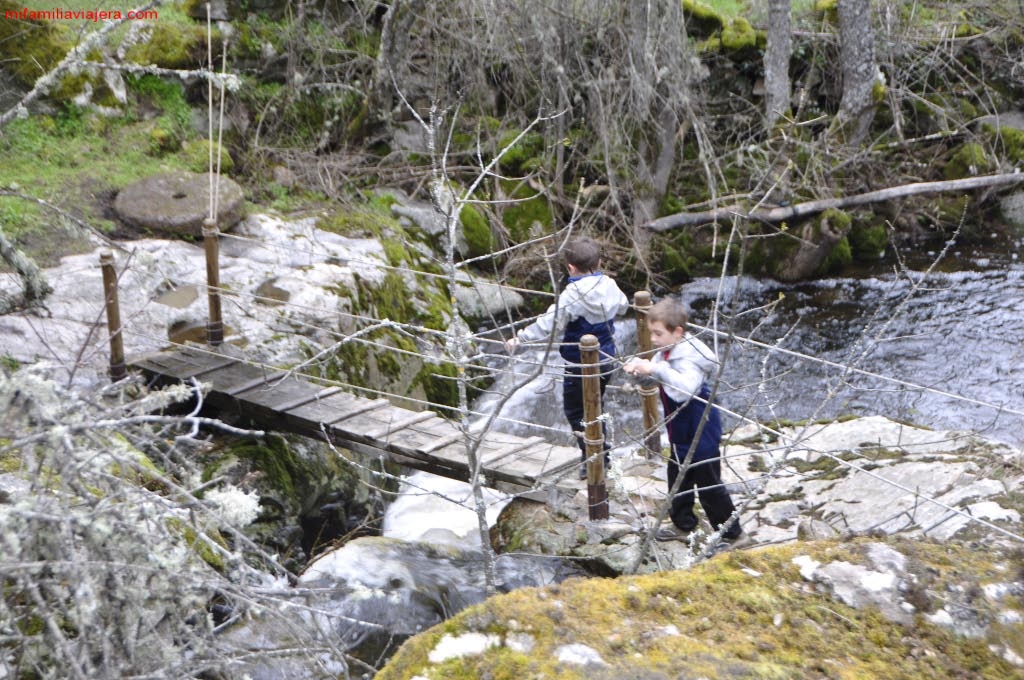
(941, 349)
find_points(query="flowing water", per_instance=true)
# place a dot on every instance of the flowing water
(945, 350)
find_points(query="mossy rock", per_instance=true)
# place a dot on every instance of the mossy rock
(740, 37)
(745, 614)
(479, 239)
(294, 478)
(968, 160)
(171, 45)
(530, 217)
(701, 19)
(1009, 140)
(197, 156)
(840, 256)
(868, 241)
(524, 156)
(30, 49)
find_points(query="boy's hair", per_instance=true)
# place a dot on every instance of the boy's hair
(583, 253)
(670, 312)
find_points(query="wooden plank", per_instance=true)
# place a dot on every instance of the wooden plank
(356, 426)
(492, 457)
(368, 406)
(532, 464)
(305, 399)
(174, 365)
(277, 396)
(327, 409)
(259, 381)
(400, 424)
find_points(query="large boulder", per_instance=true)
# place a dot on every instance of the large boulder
(176, 204)
(897, 608)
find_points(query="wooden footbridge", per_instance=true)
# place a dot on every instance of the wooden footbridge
(285, 401)
(290, 402)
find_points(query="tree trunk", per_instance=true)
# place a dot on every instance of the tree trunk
(817, 239)
(776, 61)
(792, 212)
(857, 54)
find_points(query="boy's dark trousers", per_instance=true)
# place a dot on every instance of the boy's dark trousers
(572, 401)
(706, 475)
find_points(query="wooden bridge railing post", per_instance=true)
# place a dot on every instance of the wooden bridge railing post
(593, 434)
(649, 395)
(215, 325)
(118, 370)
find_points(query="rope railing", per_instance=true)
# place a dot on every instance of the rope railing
(414, 329)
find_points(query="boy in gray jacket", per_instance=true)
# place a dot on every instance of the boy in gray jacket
(682, 365)
(588, 305)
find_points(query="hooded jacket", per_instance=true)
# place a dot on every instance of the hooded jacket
(589, 304)
(682, 372)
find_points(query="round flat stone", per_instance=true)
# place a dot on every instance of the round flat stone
(177, 203)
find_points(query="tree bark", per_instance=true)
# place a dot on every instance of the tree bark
(776, 61)
(811, 207)
(857, 54)
(817, 239)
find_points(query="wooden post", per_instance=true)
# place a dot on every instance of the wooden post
(593, 434)
(118, 370)
(649, 395)
(215, 325)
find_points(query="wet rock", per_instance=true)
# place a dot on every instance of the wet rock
(176, 204)
(1012, 207)
(372, 594)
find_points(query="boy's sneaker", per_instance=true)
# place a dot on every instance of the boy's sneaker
(741, 540)
(671, 533)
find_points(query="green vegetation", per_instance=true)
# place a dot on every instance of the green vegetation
(968, 160)
(744, 614)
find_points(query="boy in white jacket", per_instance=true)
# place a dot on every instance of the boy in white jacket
(588, 305)
(682, 365)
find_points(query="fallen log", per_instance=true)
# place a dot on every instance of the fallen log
(791, 212)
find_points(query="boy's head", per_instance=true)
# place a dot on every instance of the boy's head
(666, 322)
(583, 254)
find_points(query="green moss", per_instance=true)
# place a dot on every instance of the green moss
(675, 263)
(738, 35)
(523, 157)
(745, 614)
(868, 241)
(476, 231)
(395, 251)
(30, 49)
(392, 300)
(1010, 140)
(271, 455)
(530, 217)
(199, 544)
(840, 256)
(368, 221)
(828, 8)
(439, 384)
(827, 465)
(968, 160)
(196, 156)
(171, 45)
(878, 91)
(701, 19)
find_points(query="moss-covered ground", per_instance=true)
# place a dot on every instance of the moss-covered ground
(746, 614)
